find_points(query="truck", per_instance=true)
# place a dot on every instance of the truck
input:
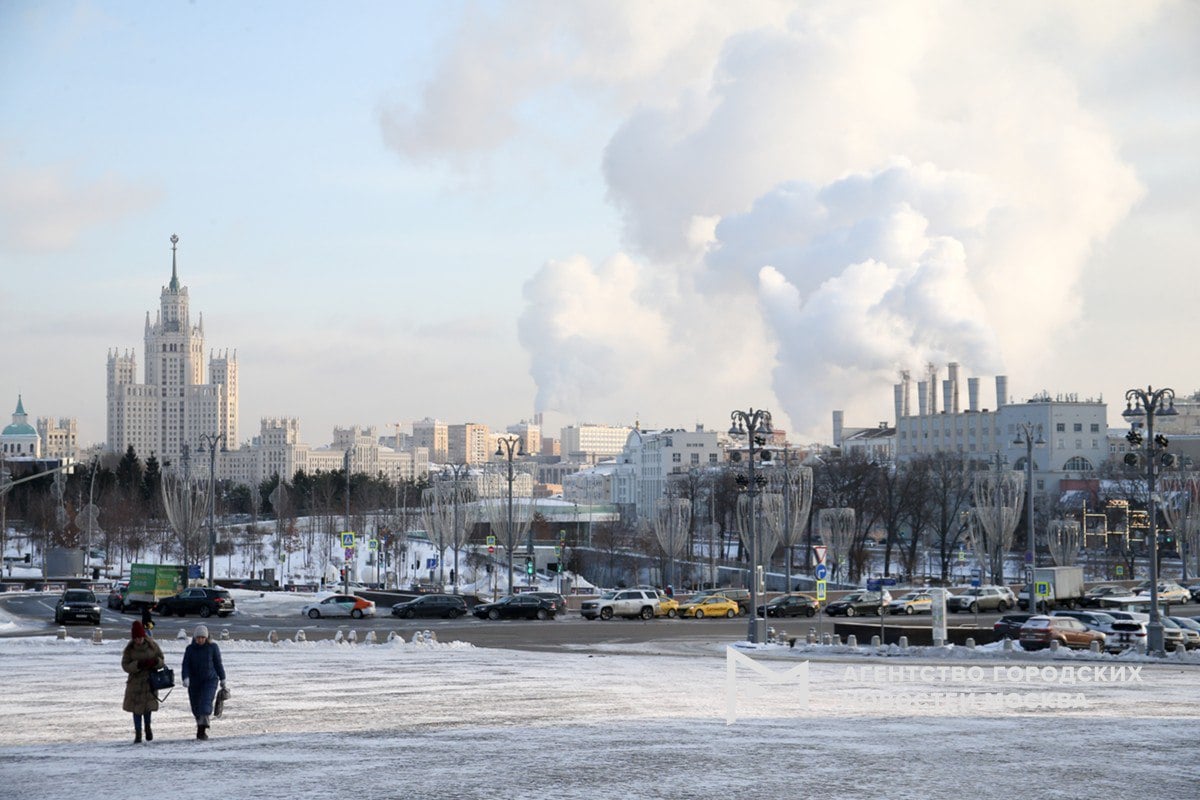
(148, 583)
(1064, 585)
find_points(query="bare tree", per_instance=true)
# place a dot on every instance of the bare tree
(672, 523)
(999, 496)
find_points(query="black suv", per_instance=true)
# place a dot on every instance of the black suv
(855, 603)
(197, 600)
(739, 596)
(77, 604)
(431, 605)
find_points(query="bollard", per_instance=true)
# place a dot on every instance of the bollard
(1054, 645)
(875, 640)
(300, 637)
(370, 639)
(62, 632)
(812, 635)
(339, 636)
(224, 634)
(827, 639)
(183, 634)
(1094, 647)
(970, 643)
(273, 637)
(395, 637)
(97, 636)
(1140, 647)
(1179, 648)
(852, 641)
(1008, 645)
(903, 642)
(431, 636)
(352, 637)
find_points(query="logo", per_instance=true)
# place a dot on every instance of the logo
(795, 679)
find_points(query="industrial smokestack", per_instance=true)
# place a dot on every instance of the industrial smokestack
(837, 428)
(898, 398)
(952, 403)
(973, 394)
(922, 398)
(1001, 391)
(906, 381)
(931, 387)
(947, 394)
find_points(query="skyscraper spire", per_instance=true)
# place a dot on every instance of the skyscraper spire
(174, 285)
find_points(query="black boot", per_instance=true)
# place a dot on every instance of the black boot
(149, 733)
(137, 737)
(200, 732)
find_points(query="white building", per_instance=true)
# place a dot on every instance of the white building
(592, 443)
(59, 437)
(174, 406)
(649, 458)
(433, 435)
(19, 439)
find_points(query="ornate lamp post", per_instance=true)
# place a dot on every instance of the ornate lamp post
(210, 441)
(510, 447)
(1149, 403)
(754, 425)
(1029, 435)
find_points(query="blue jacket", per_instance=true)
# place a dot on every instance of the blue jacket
(202, 663)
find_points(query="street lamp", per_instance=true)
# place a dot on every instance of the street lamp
(509, 447)
(752, 424)
(457, 471)
(1150, 403)
(1026, 436)
(346, 467)
(210, 441)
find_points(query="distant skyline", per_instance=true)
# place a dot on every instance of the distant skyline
(606, 211)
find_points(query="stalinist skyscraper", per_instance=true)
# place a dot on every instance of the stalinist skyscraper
(174, 406)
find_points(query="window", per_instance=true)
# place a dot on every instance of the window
(677, 458)
(1077, 464)
(1060, 427)
(1078, 427)
(1095, 427)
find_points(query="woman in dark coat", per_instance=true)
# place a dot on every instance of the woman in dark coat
(202, 670)
(139, 658)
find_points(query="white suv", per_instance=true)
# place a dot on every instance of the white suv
(629, 603)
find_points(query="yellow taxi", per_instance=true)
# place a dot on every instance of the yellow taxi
(667, 606)
(713, 605)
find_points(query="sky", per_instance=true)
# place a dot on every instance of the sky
(422, 719)
(603, 211)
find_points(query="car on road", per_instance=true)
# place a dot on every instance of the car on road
(77, 605)
(340, 605)
(739, 596)
(1168, 592)
(982, 598)
(116, 596)
(917, 602)
(448, 606)
(795, 604)
(1094, 597)
(197, 600)
(854, 604)
(712, 605)
(1009, 626)
(557, 600)
(1039, 631)
(516, 606)
(629, 603)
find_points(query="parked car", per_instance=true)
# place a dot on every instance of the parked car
(790, 605)
(559, 602)
(629, 603)
(739, 596)
(1039, 631)
(713, 605)
(918, 602)
(197, 600)
(116, 596)
(516, 606)
(1094, 597)
(449, 606)
(1096, 620)
(1174, 634)
(854, 604)
(1126, 633)
(982, 598)
(1009, 626)
(1195, 591)
(1191, 631)
(340, 605)
(77, 605)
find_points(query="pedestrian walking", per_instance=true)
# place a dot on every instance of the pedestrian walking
(139, 658)
(202, 672)
(147, 620)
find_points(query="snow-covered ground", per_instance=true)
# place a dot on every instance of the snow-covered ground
(447, 720)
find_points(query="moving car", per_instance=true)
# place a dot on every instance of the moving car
(431, 605)
(1009, 626)
(116, 597)
(713, 605)
(1168, 592)
(982, 598)
(854, 604)
(1039, 631)
(516, 606)
(739, 596)
(628, 603)
(1093, 597)
(77, 605)
(790, 605)
(340, 605)
(557, 600)
(918, 602)
(197, 600)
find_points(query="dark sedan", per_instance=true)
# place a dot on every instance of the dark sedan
(77, 605)
(1009, 626)
(197, 600)
(431, 605)
(557, 600)
(854, 604)
(516, 606)
(790, 605)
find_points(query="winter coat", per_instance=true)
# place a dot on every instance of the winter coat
(139, 697)
(202, 669)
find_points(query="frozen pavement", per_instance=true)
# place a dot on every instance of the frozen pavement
(417, 720)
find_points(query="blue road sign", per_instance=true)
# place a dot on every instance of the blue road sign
(822, 572)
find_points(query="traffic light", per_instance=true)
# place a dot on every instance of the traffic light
(529, 566)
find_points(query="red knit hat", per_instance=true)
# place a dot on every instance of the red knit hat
(139, 631)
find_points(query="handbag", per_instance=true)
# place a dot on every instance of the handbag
(219, 702)
(163, 678)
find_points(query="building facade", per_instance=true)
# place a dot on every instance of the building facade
(469, 443)
(174, 405)
(19, 439)
(59, 437)
(592, 443)
(640, 473)
(433, 436)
